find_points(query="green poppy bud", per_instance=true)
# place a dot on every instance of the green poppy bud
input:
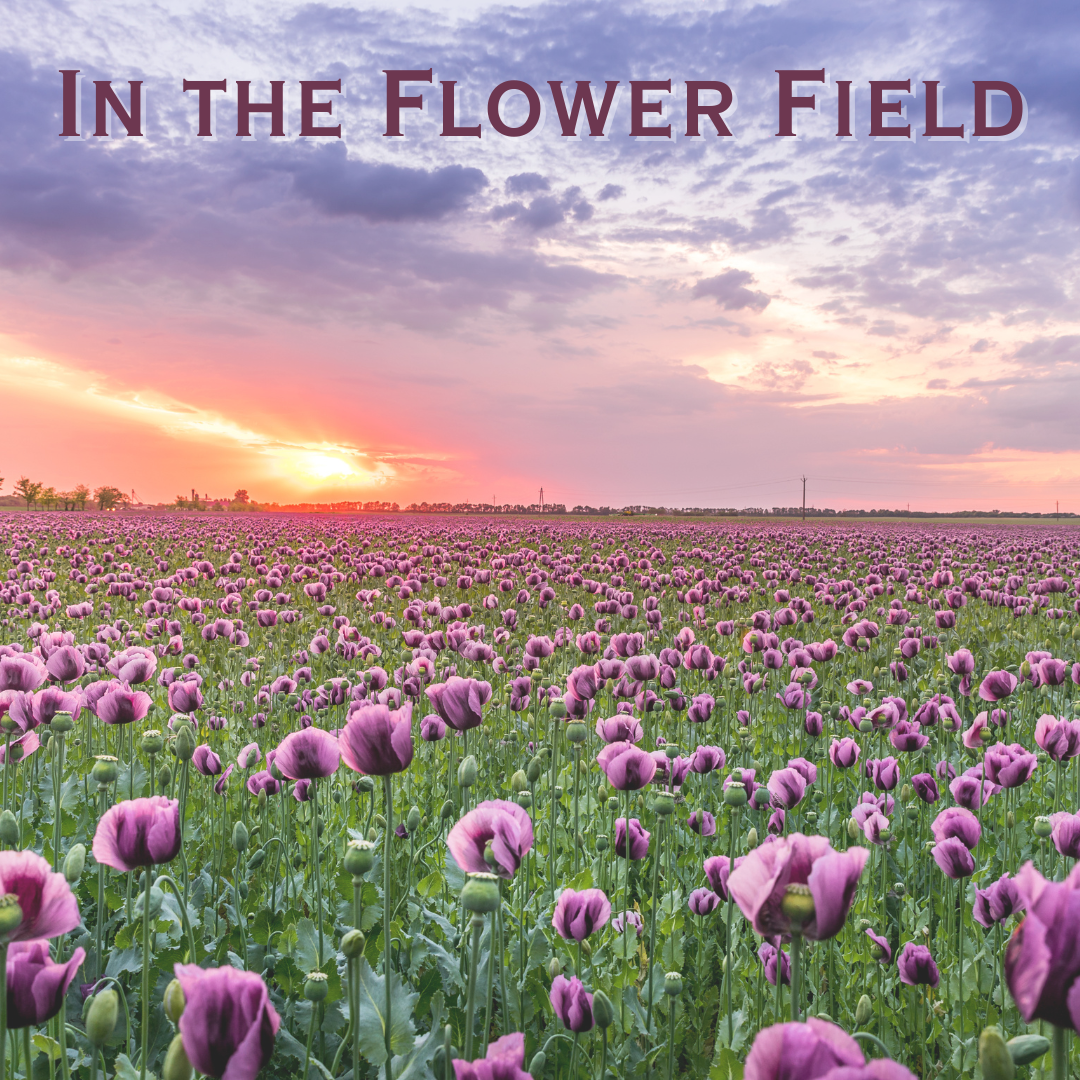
(664, 803)
(62, 723)
(177, 1066)
(73, 863)
(533, 770)
(101, 1016)
(352, 944)
(994, 1058)
(240, 837)
(852, 829)
(603, 1010)
(258, 857)
(554, 967)
(519, 782)
(173, 1001)
(480, 893)
(864, 1010)
(467, 772)
(412, 821)
(9, 829)
(1024, 1049)
(447, 810)
(536, 1066)
(751, 840)
(735, 795)
(151, 742)
(164, 778)
(11, 915)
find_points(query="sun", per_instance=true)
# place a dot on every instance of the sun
(313, 465)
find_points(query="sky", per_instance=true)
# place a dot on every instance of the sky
(679, 322)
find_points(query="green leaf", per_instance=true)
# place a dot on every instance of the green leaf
(124, 1070)
(445, 961)
(47, 1046)
(306, 947)
(431, 885)
(725, 1066)
(371, 1022)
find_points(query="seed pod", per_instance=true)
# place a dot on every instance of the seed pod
(1043, 828)
(864, 1010)
(74, 863)
(673, 984)
(480, 893)
(315, 987)
(151, 743)
(101, 1016)
(359, 857)
(735, 795)
(174, 1001)
(177, 1066)
(663, 803)
(601, 846)
(524, 799)
(9, 829)
(11, 915)
(105, 769)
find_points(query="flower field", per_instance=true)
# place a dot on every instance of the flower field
(499, 798)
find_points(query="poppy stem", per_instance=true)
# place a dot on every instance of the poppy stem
(732, 818)
(797, 942)
(477, 924)
(315, 859)
(490, 985)
(1060, 1045)
(652, 917)
(144, 1004)
(388, 792)
(3, 1009)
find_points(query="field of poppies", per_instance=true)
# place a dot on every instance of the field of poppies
(499, 798)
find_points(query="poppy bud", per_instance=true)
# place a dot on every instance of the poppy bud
(601, 844)
(177, 1066)
(352, 944)
(366, 784)
(257, 859)
(185, 742)
(359, 857)
(73, 863)
(536, 1066)
(994, 1058)
(101, 1016)
(174, 1002)
(62, 723)
(864, 1010)
(9, 829)
(1024, 1049)
(554, 967)
(906, 792)
(447, 810)
(672, 984)
(735, 795)
(467, 772)
(664, 803)
(603, 1010)
(315, 988)
(240, 837)
(524, 799)
(11, 915)
(852, 829)
(533, 771)
(412, 822)
(480, 893)
(164, 777)
(751, 840)
(519, 782)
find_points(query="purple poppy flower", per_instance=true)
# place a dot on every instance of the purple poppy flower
(707, 758)
(302, 791)
(884, 772)
(250, 755)
(965, 791)
(813, 724)
(505, 1060)
(961, 662)
(997, 685)
(1066, 833)
(228, 1025)
(759, 884)
(953, 857)
(702, 822)
(582, 682)
(787, 788)
(793, 696)
(703, 901)
(632, 919)
(578, 914)
(133, 666)
(206, 761)
(66, 664)
(807, 769)
(185, 697)
(639, 839)
(572, 1005)
(643, 667)
(926, 787)
(460, 702)
(716, 871)
(907, 737)
(22, 672)
(882, 944)
(36, 984)
(620, 729)
(801, 1051)
(49, 907)
(504, 825)
(701, 708)
(875, 827)
(998, 902)
(1010, 766)
(768, 954)
(1060, 738)
(917, 967)
(138, 832)
(626, 767)
(376, 740)
(312, 753)
(432, 728)
(263, 781)
(119, 705)
(959, 822)
(843, 753)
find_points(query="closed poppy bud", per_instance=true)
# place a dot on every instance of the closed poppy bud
(9, 829)
(352, 944)
(554, 967)
(366, 785)
(257, 859)
(1024, 1049)
(467, 772)
(603, 1010)
(751, 840)
(74, 863)
(536, 1066)
(852, 829)
(11, 914)
(447, 810)
(519, 782)
(994, 1057)
(1010, 820)
(101, 1016)
(164, 777)
(240, 837)
(173, 1001)
(412, 822)
(863, 1011)
(177, 1066)
(185, 742)
(533, 771)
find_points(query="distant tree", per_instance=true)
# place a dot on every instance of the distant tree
(48, 497)
(28, 490)
(80, 495)
(108, 497)
(242, 496)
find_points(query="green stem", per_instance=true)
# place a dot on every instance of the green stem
(316, 860)
(490, 986)
(797, 942)
(727, 928)
(1060, 1043)
(477, 924)
(671, 1040)
(652, 919)
(144, 1004)
(388, 791)
(311, 1037)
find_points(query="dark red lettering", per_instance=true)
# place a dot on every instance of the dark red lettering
(449, 114)
(639, 107)
(309, 107)
(275, 107)
(495, 117)
(1014, 126)
(788, 101)
(205, 88)
(583, 99)
(933, 106)
(105, 98)
(395, 102)
(71, 104)
(879, 107)
(715, 112)
(843, 108)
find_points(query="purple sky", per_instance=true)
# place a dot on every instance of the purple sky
(688, 322)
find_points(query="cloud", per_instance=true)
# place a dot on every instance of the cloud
(729, 291)
(523, 183)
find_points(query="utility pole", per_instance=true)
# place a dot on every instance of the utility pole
(541, 500)
(804, 498)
